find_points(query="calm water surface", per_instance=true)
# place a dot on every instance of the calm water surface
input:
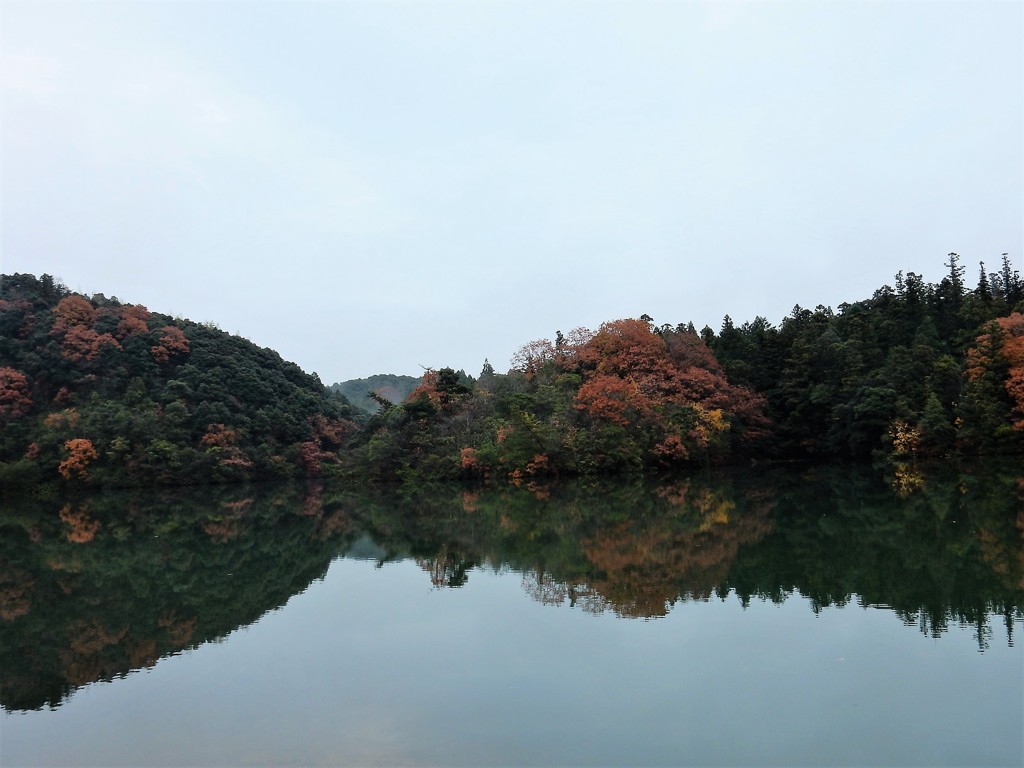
(816, 618)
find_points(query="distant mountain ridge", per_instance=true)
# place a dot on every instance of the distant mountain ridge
(392, 387)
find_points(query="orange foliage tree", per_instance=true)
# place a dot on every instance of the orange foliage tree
(14, 394)
(61, 420)
(171, 344)
(81, 343)
(441, 388)
(1000, 352)
(133, 321)
(666, 384)
(80, 453)
(1013, 353)
(623, 396)
(73, 318)
(71, 311)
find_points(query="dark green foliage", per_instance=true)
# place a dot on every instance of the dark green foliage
(885, 376)
(100, 392)
(837, 384)
(624, 399)
(160, 400)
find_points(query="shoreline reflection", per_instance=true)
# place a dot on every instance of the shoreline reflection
(94, 587)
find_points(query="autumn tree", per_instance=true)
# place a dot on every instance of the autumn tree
(995, 393)
(531, 357)
(172, 344)
(673, 383)
(15, 400)
(1013, 354)
(80, 453)
(443, 389)
(221, 442)
(640, 395)
(84, 344)
(133, 321)
(71, 311)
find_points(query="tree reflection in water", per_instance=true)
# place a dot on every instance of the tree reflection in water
(92, 588)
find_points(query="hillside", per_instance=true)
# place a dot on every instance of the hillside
(96, 392)
(389, 386)
(917, 370)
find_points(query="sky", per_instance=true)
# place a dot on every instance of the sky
(384, 187)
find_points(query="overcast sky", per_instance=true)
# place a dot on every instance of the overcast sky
(378, 187)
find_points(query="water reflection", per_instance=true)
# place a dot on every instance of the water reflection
(94, 587)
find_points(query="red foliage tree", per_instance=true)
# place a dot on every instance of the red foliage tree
(133, 321)
(611, 398)
(172, 343)
(1002, 349)
(81, 343)
(14, 394)
(331, 433)
(311, 458)
(218, 436)
(668, 382)
(223, 443)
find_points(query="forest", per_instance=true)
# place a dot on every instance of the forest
(96, 392)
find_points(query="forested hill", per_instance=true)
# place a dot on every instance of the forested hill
(93, 391)
(370, 393)
(917, 370)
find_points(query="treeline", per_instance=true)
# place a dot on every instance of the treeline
(917, 370)
(96, 392)
(623, 398)
(93, 391)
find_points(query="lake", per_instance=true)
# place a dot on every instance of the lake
(799, 616)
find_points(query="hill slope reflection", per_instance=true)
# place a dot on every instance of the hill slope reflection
(93, 588)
